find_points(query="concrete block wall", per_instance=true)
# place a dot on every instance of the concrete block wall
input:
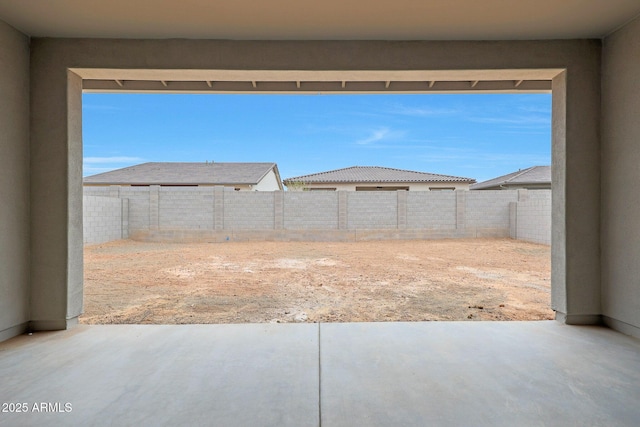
(188, 208)
(531, 219)
(433, 209)
(103, 219)
(138, 206)
(249, 210)
(372, 210)
(488, 209)
(138, 202)
(304, 210)
(212, 213)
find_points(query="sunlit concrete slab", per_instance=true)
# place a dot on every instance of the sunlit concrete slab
(139, 375)
(478, 374)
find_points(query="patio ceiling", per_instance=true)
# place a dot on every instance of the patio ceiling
(321, 20)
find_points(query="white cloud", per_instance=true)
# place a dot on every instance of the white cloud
(380, 134)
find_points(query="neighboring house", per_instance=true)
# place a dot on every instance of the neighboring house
(239, 176)
(533, 178)
(375, 178)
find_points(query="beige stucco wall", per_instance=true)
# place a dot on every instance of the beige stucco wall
(621, 166)
(268, 183)
(14, 181)
(56, 147)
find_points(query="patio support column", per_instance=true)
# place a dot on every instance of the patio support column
(56, 196)
(575, 171)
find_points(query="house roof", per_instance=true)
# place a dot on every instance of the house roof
(325, 20)
(362, 174)
(530, 176)
(175, 173)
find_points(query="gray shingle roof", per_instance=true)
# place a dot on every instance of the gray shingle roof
(175, 173)
(532, 175)
(357, 174)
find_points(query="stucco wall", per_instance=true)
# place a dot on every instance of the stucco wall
(14, 181)
(620, 167)
(268, 183)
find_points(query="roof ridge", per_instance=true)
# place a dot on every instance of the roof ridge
(410, 175)
(519, 173)
(320, 173)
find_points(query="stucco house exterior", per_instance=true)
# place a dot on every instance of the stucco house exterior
(376, 178)
(236, 176)
(533, 178)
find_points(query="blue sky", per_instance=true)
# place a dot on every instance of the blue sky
(475, 136)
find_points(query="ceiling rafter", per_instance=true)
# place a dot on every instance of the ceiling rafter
(318, 86)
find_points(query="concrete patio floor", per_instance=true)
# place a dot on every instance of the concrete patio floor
(349, 374)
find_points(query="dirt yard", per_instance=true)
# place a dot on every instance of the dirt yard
(480, 279)
(233, 282)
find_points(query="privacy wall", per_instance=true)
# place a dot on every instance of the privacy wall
(183, 214)
(105, 219)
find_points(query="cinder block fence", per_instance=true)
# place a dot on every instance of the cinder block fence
(188, 214)
(105, 219)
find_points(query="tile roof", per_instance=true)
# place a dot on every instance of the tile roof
(357, 174)
(175, 173)
(532, 175)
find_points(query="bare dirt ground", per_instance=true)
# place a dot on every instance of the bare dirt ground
(234, 282)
